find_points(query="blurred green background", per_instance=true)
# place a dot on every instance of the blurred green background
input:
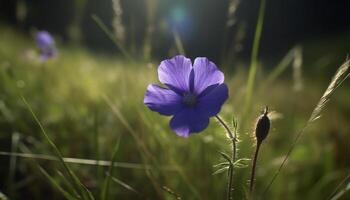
(91, 95)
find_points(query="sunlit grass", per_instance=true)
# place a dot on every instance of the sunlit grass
(82, 99)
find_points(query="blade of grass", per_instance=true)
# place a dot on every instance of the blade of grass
(3, 196)
(22, 147)
(105, 189)
(111, 36)
(341, 193)
(13, 164)
(86, 194)
(281, 67)
(172, 193)
(254, 56)
(67, 184)
(297, 69)
(178, 43)
(334, 193)
(141, 146)
(103, 163)
(99, 172)
(56, 185)
(340, 76)
(180, 170)
(123, 184)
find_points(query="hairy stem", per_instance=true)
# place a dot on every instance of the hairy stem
(230, 182)
(231, 135)
(233, 139)
(252, 177)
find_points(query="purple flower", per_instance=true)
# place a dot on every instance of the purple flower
(193, 94)
(46, 44)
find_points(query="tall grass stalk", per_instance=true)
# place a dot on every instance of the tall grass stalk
(3, 196)
(55, 184)
(86, 194)
(143, 150)
(13, 163)
(172, 193)
(254, 57)
(70, 189)
(97, 145)
(124, 185)
(340, 76)
(335, 194)
(230, 22)
(80, 161)
(106, 185)
(290, 58)
(111, 36)
(178, 43)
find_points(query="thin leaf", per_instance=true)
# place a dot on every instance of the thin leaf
(227, 157)
(178, 43)
(123, 184)
(56, 185)
(254, 56)
(80, 161)
(171, 192)
(241, 163)
(68, 185)
(221, 170)
(13, 163)
(222, 164)
(84, 191)
(282, 66)
(336, 195)
(111, 36)
(105, 189)
(3, 196)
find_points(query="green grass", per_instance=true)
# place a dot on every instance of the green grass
(86, 102)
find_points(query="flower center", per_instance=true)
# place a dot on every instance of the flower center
(189, 99)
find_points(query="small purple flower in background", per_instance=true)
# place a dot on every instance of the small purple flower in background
(193, 94)
(46, 44)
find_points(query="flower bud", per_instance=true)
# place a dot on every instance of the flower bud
(262, 126)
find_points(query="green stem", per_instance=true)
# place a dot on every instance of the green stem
(251, 188)
(230, 182)
(232, 136)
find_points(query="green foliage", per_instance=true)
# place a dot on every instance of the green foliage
(65, 94)
(107, 182)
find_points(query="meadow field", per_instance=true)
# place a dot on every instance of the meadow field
(86, 109)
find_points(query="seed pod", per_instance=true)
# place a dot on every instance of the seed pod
(262, 126)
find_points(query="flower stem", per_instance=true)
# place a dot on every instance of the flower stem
(231, 135)
(230, 182)
(253, 167)
(233, 139)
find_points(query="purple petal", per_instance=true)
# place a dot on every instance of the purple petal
(210, 104)
(188, 121)
(44, 40)
(175, 73)
(161, 100)
(205, 74)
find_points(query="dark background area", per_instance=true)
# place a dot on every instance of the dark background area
(287, 22)
(201, 23)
